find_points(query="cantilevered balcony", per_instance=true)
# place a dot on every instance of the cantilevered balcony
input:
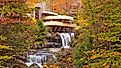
(57, 23)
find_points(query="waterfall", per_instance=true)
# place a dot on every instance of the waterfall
(66, 38)
(38, 58)
(41, 57)
(34, 59)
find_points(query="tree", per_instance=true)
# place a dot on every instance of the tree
(64, 6)
(41, 34)
(99, 38)
(14, 9)
(17, 38)
(3, 55)
(31, 3)
(17, 32)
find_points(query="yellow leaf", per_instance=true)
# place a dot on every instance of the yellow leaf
(5, 57)
(93, 51)
(45, 66)
(107, 66)
(5, 47)
(69, 59)
(93, 57)
(82, 59)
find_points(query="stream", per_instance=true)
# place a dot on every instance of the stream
(42, 56)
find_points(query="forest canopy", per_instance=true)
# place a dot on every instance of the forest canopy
(98, 40)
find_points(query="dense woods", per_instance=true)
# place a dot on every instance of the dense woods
(98, 40)
(16, 38)
(18, 32)
(65, 6)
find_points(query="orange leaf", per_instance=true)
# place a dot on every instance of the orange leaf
(93, 57)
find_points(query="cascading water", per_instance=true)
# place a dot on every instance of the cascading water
(38, 58)
(66, 38)
(33, 59)
(41, 57)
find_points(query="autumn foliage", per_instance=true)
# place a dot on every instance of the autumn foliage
(64, 6)
(17, 32)
(17, 20)
(98, 40)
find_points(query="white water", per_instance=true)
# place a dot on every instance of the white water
(41, 57)
(38, 58)
(66, 38)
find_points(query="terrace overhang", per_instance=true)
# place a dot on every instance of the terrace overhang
(51, 13)
(56, 23)
(63, 17)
